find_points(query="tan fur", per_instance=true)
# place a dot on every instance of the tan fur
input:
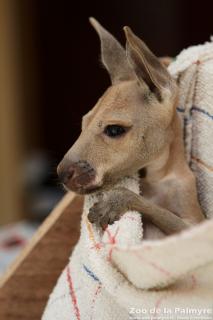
(145, 103)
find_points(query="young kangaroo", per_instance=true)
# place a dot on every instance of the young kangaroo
(134, 127)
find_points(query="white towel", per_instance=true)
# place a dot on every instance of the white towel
(115, 274)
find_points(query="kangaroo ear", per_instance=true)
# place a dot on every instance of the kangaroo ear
(146, 65)
(113, 55)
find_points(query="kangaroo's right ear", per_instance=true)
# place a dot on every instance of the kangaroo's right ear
(113, 55)
(147, 66)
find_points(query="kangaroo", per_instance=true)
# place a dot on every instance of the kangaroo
(134, 127)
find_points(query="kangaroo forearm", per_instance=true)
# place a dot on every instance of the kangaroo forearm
(164, 219)
(120, 200)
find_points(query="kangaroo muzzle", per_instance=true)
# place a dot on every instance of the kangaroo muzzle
(78, 176)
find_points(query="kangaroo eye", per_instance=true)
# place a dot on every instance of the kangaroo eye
(114, 130)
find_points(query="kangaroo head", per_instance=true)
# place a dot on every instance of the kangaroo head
(131, 124)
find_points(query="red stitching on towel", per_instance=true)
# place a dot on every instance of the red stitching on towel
(72, 294)
(97, 246)
(157, 304)
(97, 291)
(154, 265)
(112, 241)
(110, 254)
(159, 301)
(112, 238)
(194, 282)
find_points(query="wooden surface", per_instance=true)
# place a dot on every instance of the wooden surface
(25, 288)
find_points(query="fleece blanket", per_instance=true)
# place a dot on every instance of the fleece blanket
(117, 275)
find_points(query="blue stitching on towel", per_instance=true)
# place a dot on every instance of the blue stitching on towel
(188, 119)
(91, 274)
(198, 110)
(203, 111)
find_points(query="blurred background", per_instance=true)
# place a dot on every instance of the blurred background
(50, 76)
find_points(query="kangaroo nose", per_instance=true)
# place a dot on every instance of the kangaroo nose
(78, 176)
(66, 175)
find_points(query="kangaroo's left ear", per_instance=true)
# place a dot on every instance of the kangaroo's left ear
(146, 65)
(113, 55)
